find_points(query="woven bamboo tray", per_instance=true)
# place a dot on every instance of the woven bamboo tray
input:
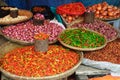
(115, 37)
(10, 46)
(21, 12)
(83, 49)
(22, 42)
(16, 40)
(26, 42)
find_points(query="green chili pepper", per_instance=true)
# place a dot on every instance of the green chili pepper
(82, 38)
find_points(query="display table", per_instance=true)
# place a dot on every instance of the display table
(82, 72)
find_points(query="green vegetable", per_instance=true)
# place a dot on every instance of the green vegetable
(82, 38)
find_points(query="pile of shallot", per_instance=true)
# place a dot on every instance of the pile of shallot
(39, 16)
(25, 31)
(100, 27)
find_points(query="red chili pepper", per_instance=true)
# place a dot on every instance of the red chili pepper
(26, 62)
(41, 36)
(71, 9)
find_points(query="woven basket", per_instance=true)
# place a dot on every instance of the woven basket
(26, 13)
(115, 37)
(54, 77)
(26, 42)
(83, 49)
(23, 42)
(65, 74)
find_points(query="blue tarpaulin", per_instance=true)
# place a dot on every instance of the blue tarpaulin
(28, 4)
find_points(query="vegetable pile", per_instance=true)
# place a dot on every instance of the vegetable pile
(110, 53)
(105, 11)
(38, 16)
(107, 77)
(41, 36)
(71, 11)
(82, 38)
(76, 8)
(26, 62)
(25, 31)
(69, 18)
(39, 9)
(100, 27)
(44, 10)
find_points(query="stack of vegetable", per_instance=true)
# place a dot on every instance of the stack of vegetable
(69, 18)
(38, 16)
(110, 53)
(99, 26)
(105, 11)
(38, 19)
(26, 62)
(41, 36)
(71, 11)
(44, 10)
(107, 77)
(82, 38)
(25, 31)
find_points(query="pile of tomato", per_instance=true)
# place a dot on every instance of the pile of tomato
(26, 62)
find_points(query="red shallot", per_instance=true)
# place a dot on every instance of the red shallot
(25, 31)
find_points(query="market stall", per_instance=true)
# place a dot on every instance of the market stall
(35, 46)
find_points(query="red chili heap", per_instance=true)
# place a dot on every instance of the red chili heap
(26, 62)
(41, 36)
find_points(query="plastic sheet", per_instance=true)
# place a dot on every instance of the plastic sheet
(113, 68)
